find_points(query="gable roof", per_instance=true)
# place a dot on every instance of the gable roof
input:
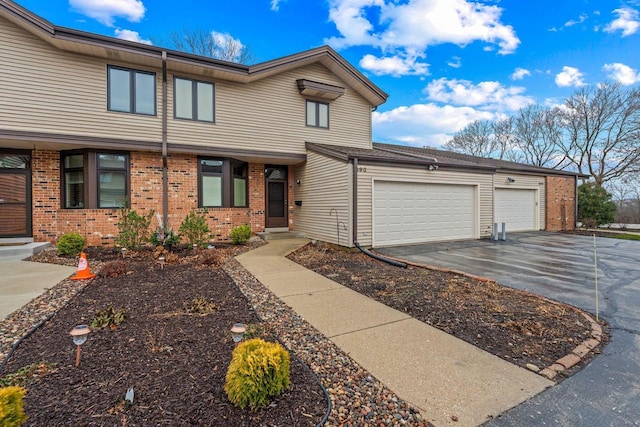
(151, 56)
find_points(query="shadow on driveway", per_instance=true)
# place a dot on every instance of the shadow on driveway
(561, 266)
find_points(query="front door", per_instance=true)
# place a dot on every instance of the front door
(276, 193)
(15, 193)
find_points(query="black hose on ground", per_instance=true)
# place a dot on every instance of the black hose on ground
(17, 343)
(380, 258)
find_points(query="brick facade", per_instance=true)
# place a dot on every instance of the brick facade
(99, 226)
(560, 203)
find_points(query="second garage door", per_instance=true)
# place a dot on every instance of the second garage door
(517, 208)
(407, 212)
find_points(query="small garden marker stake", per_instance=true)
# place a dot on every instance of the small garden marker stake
(79, 335)
(595, 266)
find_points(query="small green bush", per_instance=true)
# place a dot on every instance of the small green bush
(240, 234)
(108, 317)
(71, 244)
(258, 372)
(12, 406)
(164, 236)
(194, 228)
(133, 228)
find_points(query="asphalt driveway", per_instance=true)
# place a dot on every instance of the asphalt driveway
(561, 266)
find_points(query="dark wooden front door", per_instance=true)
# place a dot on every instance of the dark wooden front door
(276, 193)
(15, 194)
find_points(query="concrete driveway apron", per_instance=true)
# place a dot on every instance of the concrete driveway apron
(561, 267)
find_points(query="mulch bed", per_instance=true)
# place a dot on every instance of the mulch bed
(175, 360)
(517, 326)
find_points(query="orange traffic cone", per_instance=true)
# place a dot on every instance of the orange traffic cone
(83, 269)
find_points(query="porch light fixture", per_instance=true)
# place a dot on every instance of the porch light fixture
(433, 167)
(161, 261)
(237, 332)
(509, 179)
(79, 335)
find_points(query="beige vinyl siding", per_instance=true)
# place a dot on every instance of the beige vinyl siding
(43, 89)
(397, 173)
(324, 186)
(269, 115)
(531, 182)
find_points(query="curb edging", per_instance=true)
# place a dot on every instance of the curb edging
(560, 365)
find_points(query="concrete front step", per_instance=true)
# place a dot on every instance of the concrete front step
(20, 249)
(280, 235)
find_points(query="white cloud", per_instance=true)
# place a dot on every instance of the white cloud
(570, 76)
(275, 5)
(520, 73)
(628, 22)
(394, 65)
(455, 62)
(490, 96)
(424, 124)
(105, 11)
(132, 36)
(408, 29)
(622, 73)
(583, 17)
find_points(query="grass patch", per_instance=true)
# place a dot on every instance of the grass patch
(624, 236)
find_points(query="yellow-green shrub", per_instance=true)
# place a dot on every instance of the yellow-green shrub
(258, 372)
(12, 407)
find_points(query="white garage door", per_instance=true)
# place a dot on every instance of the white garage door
(406, 212)
(517, 208)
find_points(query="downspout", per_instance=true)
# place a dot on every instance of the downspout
(165, 175)
(355, 222)
(575, 202)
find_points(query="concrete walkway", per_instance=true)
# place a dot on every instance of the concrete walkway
(22, 281)
(440, 375)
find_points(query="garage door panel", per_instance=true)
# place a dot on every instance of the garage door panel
(517, 208)
(406, 212)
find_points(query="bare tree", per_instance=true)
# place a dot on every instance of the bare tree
(212, 44)
(479, 139)
(603, 131)
(538, 136)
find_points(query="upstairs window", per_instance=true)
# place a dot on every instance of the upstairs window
(193, 100)
(222, 183)
(317, 114)
(93, 180)
(131, 91)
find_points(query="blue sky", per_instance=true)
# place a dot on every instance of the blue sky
(444, 63)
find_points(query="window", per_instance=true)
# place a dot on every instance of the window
(317, 114)
(193, 100)
(93, 180)
(131, 91)
(222, 183)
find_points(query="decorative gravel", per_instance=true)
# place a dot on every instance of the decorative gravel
(357, 398)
